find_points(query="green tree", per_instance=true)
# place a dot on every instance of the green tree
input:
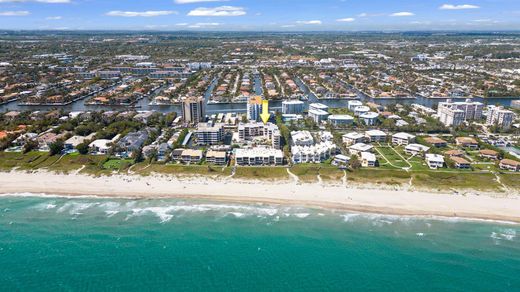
(56, 148)
(82, 148)
(29, 146)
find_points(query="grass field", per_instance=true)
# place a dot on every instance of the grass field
(118, 164)
(392, 157)
(267, 173)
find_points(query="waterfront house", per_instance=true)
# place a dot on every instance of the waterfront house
(460, 162)
(353, 138)
(402, 138)
(436, 142)
(368, 159)
(191, 156)
(434, 161)
(416, 149)
(375, 136)
(100, 146)
(360, 147)
(489, 154)
(508, 164)
(216, 157)
(466, 142)
(454, 153)
(340, 159)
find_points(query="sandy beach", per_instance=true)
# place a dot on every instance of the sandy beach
(358, 199)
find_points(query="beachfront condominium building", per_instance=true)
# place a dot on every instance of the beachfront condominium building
(455, 113)
(313, 153)
(254, 130)
(254, 108)
(292, 107)
(302, 138)
(208, 134)
(193, 109)
(500, 117)
(258, 156)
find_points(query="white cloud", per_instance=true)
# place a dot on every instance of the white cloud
(315, 22)
(288, 25)
(156, 26)
(14, 13)
(140, 14)
(204, 25)
(458, 7)
(348, 19)
(53, 18)
(218, 11)
(207, 24)
(38, 1)
(196, 1)
(402, 14)
(182, 24)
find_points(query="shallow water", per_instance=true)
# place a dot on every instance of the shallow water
(57, 243)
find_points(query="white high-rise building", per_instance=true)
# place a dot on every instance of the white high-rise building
(193, 109)
(500, 117)
(270, 131)
(455, 113)
(208, 134)
(254, 108)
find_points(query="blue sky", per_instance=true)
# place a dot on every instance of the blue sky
(261, 15)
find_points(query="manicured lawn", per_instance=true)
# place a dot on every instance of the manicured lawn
(392, 156)
(116, 164)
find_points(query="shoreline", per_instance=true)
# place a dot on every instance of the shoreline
(399, 202)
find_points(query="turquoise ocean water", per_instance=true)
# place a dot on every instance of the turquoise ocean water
(92, 244)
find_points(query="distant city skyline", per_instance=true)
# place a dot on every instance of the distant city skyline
(265, 15)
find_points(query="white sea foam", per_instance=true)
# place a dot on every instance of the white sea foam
(504, 234)
(260, 210)
(302, 215)
(350, 217)
(75, 208)
(161, 212)
(237, 214)
(111, 213)
(45, 206)
(420, 234)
